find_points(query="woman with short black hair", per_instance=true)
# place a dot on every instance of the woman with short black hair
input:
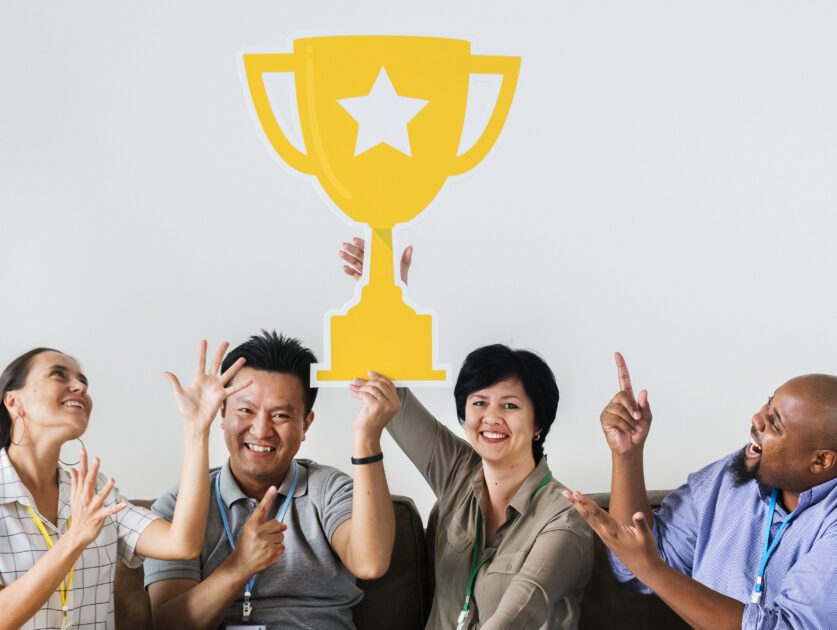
(510, 551)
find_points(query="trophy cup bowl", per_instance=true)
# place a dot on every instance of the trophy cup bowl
(382, 186)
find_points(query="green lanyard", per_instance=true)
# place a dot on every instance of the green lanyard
(476, 565)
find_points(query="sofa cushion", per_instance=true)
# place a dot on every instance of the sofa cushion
(610, 604)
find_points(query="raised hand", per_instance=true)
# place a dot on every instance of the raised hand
(380, 404)
(626, 420)
(261, 541)
(634, 543)
(88, 506)
(200, 402)
(353, 252)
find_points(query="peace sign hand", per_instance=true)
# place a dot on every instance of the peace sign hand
(200, 402)
(626, 420)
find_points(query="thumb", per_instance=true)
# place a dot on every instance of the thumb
(642, 401)
(175, 383)
(641, 526)
(260, 513)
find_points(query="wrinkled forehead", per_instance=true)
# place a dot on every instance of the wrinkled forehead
(807, 400)
(269, 389)
(45, 361)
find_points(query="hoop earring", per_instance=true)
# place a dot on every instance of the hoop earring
(536, 436)
(79, 459)
(21, 419)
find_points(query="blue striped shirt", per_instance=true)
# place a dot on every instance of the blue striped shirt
(713, 531)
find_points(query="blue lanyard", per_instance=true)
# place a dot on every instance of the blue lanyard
(769, 547)
(280, 516)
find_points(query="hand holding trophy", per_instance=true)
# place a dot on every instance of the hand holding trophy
(382, 120)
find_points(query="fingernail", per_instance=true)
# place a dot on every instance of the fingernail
(637, 415)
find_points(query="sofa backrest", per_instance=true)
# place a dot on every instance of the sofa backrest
(401, 598)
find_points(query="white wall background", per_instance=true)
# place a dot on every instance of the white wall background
(665, 186)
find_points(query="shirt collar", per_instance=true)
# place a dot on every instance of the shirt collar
(807, 498)
(523, 497)
(12, 489)
(231, 492)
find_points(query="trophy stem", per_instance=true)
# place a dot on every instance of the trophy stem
(381, 266)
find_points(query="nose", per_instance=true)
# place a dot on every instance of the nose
(78, 386)
(759, 419)
(262, 426)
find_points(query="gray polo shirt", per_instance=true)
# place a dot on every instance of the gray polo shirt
(308, 587)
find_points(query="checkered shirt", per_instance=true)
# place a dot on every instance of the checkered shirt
(21, 545)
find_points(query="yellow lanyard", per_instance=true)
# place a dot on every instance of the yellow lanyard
(67, 582)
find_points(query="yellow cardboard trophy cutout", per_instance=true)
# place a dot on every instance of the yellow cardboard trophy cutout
(382, 120)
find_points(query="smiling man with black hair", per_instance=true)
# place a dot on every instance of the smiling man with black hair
(285, 537)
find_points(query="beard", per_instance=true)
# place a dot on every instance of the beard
(743, 474)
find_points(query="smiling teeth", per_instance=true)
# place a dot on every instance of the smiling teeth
(260, 449)
(74, 403)
(493, 436)
(756, 447)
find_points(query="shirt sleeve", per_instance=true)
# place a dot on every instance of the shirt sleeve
(441, 457)
(158, 570)
(559, 563)
(808, 595)
(336, 501)
(130, 524)
(675, 528)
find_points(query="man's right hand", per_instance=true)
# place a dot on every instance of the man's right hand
(626, 420)
(260, 543)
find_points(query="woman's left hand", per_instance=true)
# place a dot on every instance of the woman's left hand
(200, 402)
(380, 404)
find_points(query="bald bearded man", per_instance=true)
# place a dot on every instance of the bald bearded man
(749, 541)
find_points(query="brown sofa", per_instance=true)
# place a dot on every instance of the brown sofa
(401, 599)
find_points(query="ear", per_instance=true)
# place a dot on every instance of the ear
(825, 461)
(11, 402)
(306, 424)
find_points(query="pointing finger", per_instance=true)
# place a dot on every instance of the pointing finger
(260, 513)
(623, 374)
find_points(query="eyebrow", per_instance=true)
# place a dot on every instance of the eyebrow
(483, 397)
(249, 401)
(65, 370)
(775, 411)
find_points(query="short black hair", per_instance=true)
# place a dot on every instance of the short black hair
(272, 352)
(489, 365)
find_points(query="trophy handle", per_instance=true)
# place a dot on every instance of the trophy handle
(255, 65)
(509, 67)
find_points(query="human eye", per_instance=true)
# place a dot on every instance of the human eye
(511, 405)
(59, 373)
(478, 403)
(245, 410)
(281, 417)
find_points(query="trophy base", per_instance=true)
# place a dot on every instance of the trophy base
(396, 342)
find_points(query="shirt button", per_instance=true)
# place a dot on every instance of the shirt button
(508, 567)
